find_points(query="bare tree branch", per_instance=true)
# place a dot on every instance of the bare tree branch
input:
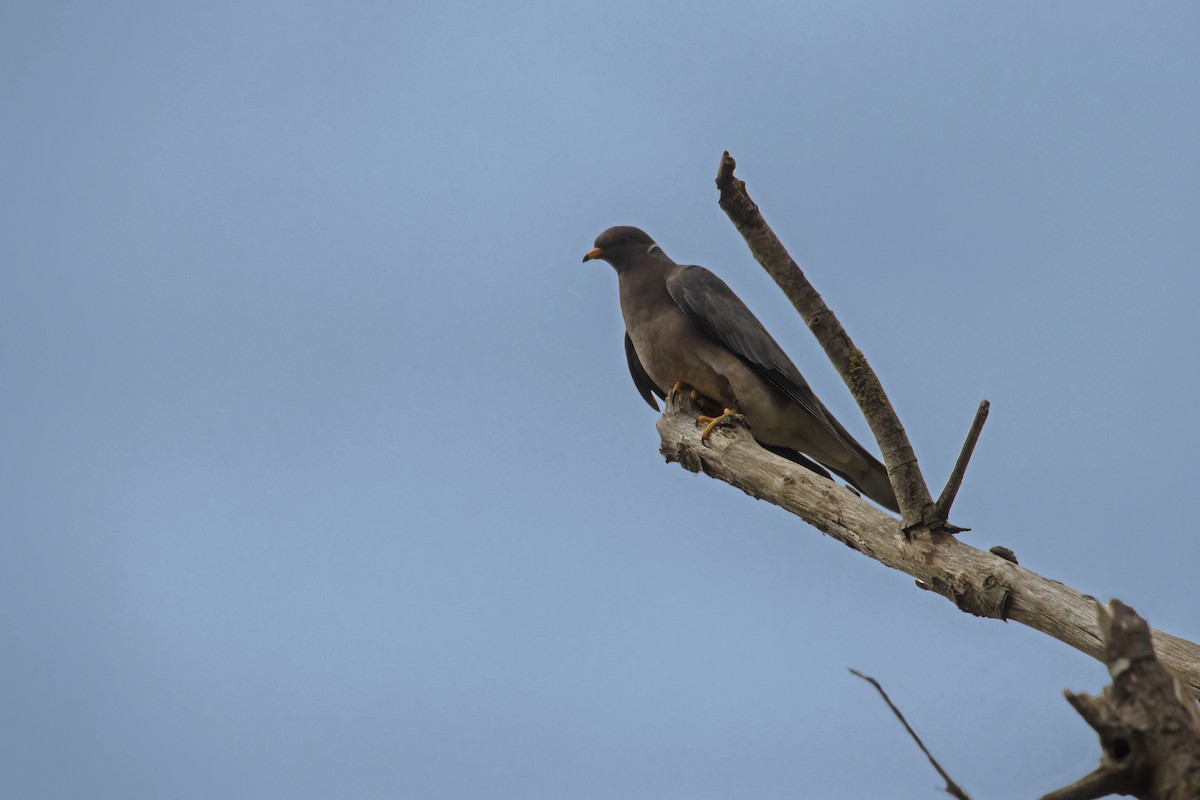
(912, 493)
(952, 788)
(977, 581)
(1148, 719)
(1149, 725)
(964, 457)
(1099, 783)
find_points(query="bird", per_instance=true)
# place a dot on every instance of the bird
(684, 327)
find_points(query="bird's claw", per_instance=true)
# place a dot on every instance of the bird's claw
(728, 419)
(680, 386)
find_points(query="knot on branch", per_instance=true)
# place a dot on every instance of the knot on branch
(987, 596)
(684, 457)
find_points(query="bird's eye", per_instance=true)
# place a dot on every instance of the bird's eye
(623, 241)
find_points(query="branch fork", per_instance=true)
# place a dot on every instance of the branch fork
(984, 583)
(1147, 720)
(916, 503)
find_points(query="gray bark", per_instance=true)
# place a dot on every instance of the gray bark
(976, 581)
(1148, 723)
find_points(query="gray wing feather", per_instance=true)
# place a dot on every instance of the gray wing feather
(641, 380)
(724, 318)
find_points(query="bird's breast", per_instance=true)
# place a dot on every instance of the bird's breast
(673, 350)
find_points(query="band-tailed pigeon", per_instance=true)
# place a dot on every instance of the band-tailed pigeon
(685, 327)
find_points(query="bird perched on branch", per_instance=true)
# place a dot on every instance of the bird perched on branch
(685, 328)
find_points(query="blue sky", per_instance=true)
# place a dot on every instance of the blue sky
(322, 473)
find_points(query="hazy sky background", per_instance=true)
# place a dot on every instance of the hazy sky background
(322, 474)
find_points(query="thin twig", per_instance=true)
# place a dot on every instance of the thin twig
(912, 493)
(952, 788)
(964, 457)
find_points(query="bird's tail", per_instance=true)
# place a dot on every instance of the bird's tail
(871, 479)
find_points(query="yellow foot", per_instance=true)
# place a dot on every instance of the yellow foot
(730, 417)
(679, 386)
(705, 405)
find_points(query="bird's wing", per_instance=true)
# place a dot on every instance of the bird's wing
(641, 380)
(724, 318)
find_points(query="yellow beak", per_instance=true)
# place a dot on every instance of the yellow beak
(592, 254)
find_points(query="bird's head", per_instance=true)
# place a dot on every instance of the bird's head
(619, 246)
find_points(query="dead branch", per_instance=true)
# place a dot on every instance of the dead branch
(964, 457)
(1148, 723)
(952, 788)
(912, 493)
(976, 581)
(1148, 720)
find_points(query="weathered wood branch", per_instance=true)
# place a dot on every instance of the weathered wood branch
(1149, 725)
(946, 499)
(912, 492)
(976, 581)
(1148, 720)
